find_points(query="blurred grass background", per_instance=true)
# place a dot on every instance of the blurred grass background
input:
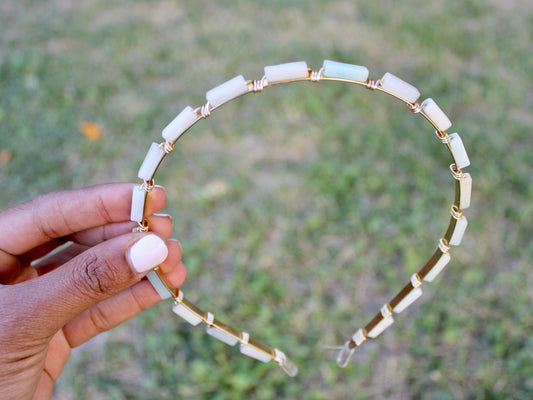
(303, 209)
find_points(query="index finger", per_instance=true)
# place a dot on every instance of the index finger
(58, 214)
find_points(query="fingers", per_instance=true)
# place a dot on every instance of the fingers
(59, 214)
(173, 259)
(116, 310)
(126, 304)
(10, 267)
(45, 388)
(59, 258)
(26, 241)
(160, 224)
(93, 276)
(57, 355)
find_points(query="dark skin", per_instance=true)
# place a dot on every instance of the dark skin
(50, 305)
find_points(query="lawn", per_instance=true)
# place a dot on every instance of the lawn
(301, 210)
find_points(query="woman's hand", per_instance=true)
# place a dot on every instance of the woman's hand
(71, 268)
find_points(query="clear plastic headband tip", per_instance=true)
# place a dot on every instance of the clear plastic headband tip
(285, 364)
(345, 354)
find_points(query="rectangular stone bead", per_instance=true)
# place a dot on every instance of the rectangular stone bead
(335, 69)
(458, 231)
(138, 201)
(187, 313)
(179, 125)
(399, 88)
(458, 151)
(380, 327)
(158, 285)
(438, 267)
(465, 187)
(288, 71)
(252, 351)
(221, 335)
(152, 160)
(227, 91)
(408, 300)
(435, 114)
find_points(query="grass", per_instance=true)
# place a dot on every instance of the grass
(328, 198)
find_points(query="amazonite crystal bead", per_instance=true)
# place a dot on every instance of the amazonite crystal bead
(399, 88)
(387, 321)
(351, 72)
(151, 162)
(283, 72)
(218, 333)
(465, 187)
(179, 125)
(438, 267)
(138, 201)
(251, 351)
(459, 231)
(408, 300)
(221, 335)
(158, 285)
(435, 114)
(184, 312)
(414, 294)
(227, 91)
(379, 328)
(458, 151)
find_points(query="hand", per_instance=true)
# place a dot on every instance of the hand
(52, 301)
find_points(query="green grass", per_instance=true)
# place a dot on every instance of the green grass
(333, 195)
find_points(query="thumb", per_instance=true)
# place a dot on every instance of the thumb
(91, 277)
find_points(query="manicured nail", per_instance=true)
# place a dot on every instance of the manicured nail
(168, 216)
(147, 253)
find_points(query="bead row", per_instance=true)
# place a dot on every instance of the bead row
(217, 329)
(299, 71)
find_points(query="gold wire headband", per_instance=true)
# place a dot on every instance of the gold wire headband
(291, 72)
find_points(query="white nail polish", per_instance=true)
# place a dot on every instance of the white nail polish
(147, 253)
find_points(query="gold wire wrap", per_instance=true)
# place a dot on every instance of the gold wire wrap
(315, 76)
(414, 107)
(205, 110)
(418, 281)
(389, 311)
(168, 147)
(362, 340)
(444, 246)
(256, 86)
(442, 136)
(143, 226)
(456, 172)
(456, 212)
(372, 84)
(148, 186)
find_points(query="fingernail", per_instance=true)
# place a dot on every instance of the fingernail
(147, 253)
(168, 216)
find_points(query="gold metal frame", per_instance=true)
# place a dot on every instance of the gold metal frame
(259, 350)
